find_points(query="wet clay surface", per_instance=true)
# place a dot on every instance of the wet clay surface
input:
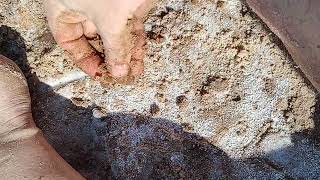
(219, 94)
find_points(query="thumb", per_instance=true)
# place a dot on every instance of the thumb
(122, 32)
(117, 40)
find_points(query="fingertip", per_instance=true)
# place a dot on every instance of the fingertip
(90, 65)
(89, 28)
(119, 69)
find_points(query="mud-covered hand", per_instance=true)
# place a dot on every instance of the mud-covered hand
(118, 22)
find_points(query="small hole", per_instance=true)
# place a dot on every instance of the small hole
(220, 4)
(181, 100)
(154, 109)
(236, 99)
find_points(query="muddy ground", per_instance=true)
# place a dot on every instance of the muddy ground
(220, 97)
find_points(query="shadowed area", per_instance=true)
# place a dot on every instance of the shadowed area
(125, 146)
(114, 145)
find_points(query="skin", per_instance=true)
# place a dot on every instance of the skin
(120, 25)
(24, 152)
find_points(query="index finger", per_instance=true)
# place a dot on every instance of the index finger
(67, 29)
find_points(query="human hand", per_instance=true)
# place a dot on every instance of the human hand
(118, 22)
(27, 154)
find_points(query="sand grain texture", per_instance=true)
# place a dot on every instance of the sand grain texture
(219, 97)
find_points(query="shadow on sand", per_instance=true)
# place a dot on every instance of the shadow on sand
(127, 146)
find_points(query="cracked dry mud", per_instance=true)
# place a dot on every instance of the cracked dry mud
(220, 97)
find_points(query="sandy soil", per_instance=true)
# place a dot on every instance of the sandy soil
(220, 97)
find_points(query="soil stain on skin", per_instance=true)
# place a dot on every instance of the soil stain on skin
(189, 43)
(138, 51)
(91, 144)
(121, 145)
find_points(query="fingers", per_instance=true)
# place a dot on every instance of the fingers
(144, 8)
(120, 26)
(69, 29)
(138, 50)
(89, 29)
(117, 48)
(124, 38)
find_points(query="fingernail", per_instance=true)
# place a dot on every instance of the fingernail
(119, 70)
